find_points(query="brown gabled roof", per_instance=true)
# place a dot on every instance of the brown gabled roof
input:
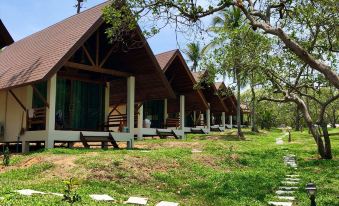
(5, 38)
(164, 59)
(229, 101)
(211, 93)
(40, 55)
(181, 80)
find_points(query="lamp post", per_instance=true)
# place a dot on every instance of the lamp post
(311, 191)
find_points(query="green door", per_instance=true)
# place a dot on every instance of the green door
(80, 105)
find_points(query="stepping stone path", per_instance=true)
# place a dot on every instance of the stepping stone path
(164, 203)
(289, 184)
(102, 197)
(280, 140)
(196, 151)
(29, 192)
(137, 201)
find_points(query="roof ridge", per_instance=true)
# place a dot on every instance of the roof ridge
(173, 50)
(62, 21)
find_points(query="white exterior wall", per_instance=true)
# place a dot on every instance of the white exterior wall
(12, 115)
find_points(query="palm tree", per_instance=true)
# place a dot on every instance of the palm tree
(231, 20)
(194, 54)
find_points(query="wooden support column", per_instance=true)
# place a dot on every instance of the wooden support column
(25, 147)
(50, 112)
(208, 117)
(130, 102)
(194, 117)
(140, 121)
(230, 119)
(107, 93)
(165, 111)
(182, 112)
(223, 120)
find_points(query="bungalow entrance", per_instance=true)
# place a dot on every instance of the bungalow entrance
(61, 81)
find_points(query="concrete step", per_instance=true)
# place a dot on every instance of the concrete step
(292, 179)
(292, 176)
(286, 198)
(288, 188)
(280, 203)
(289, 183)
(284, 192)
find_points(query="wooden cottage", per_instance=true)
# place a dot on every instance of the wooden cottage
(230, 102)
(5, 38)
(178, 115)
(216, 120)
(57, 84)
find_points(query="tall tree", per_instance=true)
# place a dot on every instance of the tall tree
(306, 28)
(288, 80)
(239, 50)
(194, 53)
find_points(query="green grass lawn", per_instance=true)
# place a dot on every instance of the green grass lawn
(226, 172)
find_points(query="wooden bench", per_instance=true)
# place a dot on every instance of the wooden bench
(118, 120)
(87, 138)
(38, 121)
(164, 133)
(172, 122)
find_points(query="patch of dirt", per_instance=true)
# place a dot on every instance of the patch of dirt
(169, 144)
(209, 161)
(133, 169)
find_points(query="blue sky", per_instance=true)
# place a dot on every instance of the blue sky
(25, 17)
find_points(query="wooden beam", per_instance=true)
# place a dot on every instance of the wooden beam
(83, 79)
(88, 55)
(18, 100)
(97, 70)
(107, 55)
(41, 97)
(97, 50)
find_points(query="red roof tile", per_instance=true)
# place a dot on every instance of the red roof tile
(164, 58)
(39, 55)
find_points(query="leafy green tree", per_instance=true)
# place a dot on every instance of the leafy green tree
(306, 28)
(238, 51)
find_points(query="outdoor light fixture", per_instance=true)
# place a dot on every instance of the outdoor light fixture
(311, 190)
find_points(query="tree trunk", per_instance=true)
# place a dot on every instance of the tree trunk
(297, 119)
(310, 124)
(253, 114)
(327, 140)
(240, 134)
(334, 118)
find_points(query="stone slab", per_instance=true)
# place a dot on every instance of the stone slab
(292, 179)
(137, 200)
(280, 203)
(292, 176)
(29, 192)
(165, 203)
(286, 197)
(284, 192)
(288, 188)
(196, 151)
(101, 197)
(289, 183)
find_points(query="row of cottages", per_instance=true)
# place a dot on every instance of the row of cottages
(194, 110)
(69, 83)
